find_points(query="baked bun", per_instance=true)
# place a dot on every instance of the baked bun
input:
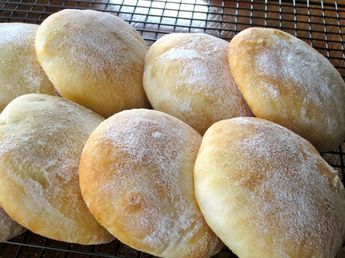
(136, 177)
(94, 59)
(20, 72)
(267, 192)
(187, 75)
(286, 81)
(8, 228)
(41, 139)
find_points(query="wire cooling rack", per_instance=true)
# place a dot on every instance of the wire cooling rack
(320, 23)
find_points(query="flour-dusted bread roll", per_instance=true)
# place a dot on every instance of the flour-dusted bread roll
(267, 192)
(93, 58)
(41, 140)
(20, 72)
(136, 177)
(187, 75)
(286, 81)
(8, 228)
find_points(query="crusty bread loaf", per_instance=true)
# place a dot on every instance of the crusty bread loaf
(20, 72)
(187, 75)
(41, 140)
(286, 81)
(136, 177)
(93, 58)
(267, 192)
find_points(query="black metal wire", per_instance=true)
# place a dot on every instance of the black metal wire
(320, 23)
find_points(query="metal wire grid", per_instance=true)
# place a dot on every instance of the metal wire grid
(320, 23)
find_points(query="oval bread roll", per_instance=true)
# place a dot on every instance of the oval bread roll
(20, 72)
(94, 59)
(267, 192)
(286, 81)
(8, 228)
(187, 75)
(136, 177)
(41, 140)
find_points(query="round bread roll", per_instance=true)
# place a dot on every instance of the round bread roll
(41, 140)
(136, 177)
(20, 72)
(94, 59)
(267, 192)
(8, 228)
(286, 81)
(187, 75)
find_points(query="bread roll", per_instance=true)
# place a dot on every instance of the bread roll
(94, 59)
(267, 192)
(8, 228)
(286, 81)
(20, 72)
(41, 139)
(136, 177)
(187, 75)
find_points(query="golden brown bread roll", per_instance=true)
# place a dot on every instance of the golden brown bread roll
(94, 59)
(41, 139)
(267, 192)
(20, 72)
(287, 82)
(187, 75)
(136, 177)
(8, 228)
